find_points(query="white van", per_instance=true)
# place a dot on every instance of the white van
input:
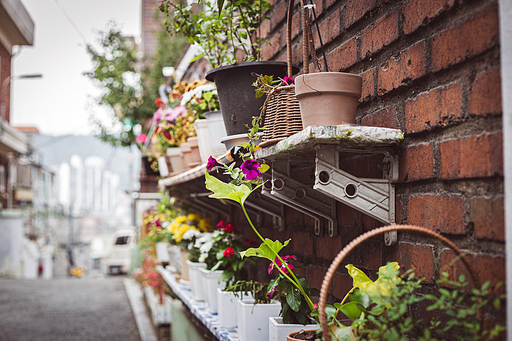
(119, 258)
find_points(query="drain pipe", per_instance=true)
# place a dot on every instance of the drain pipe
(505, 12)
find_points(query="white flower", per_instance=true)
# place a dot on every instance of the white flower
(191, 233)
(203, 257)
(206, 247)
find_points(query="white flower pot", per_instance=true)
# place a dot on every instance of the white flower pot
(211, 283)
(175, 159)
(196, 279)
(228, 307)
(277, 330)
(203, 138)
(217, 131)
(253, 319)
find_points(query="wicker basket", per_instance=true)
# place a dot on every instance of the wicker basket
(326, 284)
(281, 111)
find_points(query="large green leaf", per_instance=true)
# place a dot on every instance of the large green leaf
(223, 190)
(382, 286)
(267, 250)
(293, 298)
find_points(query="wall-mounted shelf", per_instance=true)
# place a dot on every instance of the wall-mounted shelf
(323, 144)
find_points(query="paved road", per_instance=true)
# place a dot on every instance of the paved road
(66, 309)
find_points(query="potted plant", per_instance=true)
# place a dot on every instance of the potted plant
(222, 29)
(255, 307)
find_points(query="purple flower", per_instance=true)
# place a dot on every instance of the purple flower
(250, 169)
(273, 291)
(212, 163)
(287, 81)
(281, 265)
(173, 114)
(158, 115)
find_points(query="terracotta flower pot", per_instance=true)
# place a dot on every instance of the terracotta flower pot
(291, 336)
(328, 98)
(194, 148)
(177, 164)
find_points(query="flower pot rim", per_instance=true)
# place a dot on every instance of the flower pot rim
(273, 318)
(211, 112)
(210, 272)
(196, 264)
(210, 75)
(289, 336)
(250, 301)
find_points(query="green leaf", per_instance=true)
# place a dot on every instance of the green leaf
(350, 309)
(293, 298)
(222, 190)
(264, 167)
(267, 250)
(356, 296)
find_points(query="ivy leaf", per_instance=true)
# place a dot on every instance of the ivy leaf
(267, 250)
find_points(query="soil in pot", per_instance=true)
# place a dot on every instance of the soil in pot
(304, 335)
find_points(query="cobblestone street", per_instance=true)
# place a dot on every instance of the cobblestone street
(66, 309)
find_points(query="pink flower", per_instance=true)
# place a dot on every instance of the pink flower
(212, 163)
(158, 115)
(220, 223)
(173, 114)
(228, 252)
(141, 138)
(281, 265)
(250, 169)
(273, 291)
(287, 81)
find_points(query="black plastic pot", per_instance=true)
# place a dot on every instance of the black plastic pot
(238, 102)
(147, 167)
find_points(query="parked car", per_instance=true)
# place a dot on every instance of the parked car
(120, 255)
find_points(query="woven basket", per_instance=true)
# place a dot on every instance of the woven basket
(281, 111)
(326, 284)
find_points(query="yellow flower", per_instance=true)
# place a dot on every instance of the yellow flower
(206, 225)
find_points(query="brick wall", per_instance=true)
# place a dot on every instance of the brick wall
(431, 69)
(5, 71)
(151, 23)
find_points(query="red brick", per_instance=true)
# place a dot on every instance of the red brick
(408, 66)
(329, 28)
(416, 257)
(356, 9)
(466, 39)
(368, 85)
(398, 208)
(302, 243)
(385, 117)
(328, 247)
(472, 156)
(485, 267)
(295, 25)
(272, 48)
(341, 283)
(435, 108)
(488, 215)
(417, 162)
(265, 28)
(278, 14)
(343, 56)
(381, 33)
(486, 93)
(421, 12)
(315, 276)
(444, 213)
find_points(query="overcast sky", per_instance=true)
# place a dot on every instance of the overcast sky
(63, 100)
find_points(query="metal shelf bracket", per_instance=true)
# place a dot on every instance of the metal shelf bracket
(374, 197)
(301, 197)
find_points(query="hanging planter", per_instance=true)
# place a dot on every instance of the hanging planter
(236, 93)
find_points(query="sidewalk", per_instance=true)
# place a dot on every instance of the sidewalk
(135, 296)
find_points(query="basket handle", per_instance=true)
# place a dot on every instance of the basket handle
(353, 244)
(305, 38)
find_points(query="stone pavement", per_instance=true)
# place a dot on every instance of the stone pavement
(66, 309)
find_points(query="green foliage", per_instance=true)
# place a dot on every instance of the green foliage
(390, 313)
(220, 28)
(257, 289)
(130, 93)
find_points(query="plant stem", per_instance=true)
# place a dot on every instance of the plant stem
(295, 281)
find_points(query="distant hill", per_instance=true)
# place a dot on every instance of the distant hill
(58, 149)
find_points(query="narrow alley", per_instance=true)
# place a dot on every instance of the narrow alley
(66, 309)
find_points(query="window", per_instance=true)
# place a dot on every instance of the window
(122, 240)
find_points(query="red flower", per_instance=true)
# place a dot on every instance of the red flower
(159, 103)
(228, 227)
(228, 252)
(221, 223)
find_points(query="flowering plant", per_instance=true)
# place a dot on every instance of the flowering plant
(179, 227)
(265, 84)
(147, 274)
(246, 178)
(224, 253)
